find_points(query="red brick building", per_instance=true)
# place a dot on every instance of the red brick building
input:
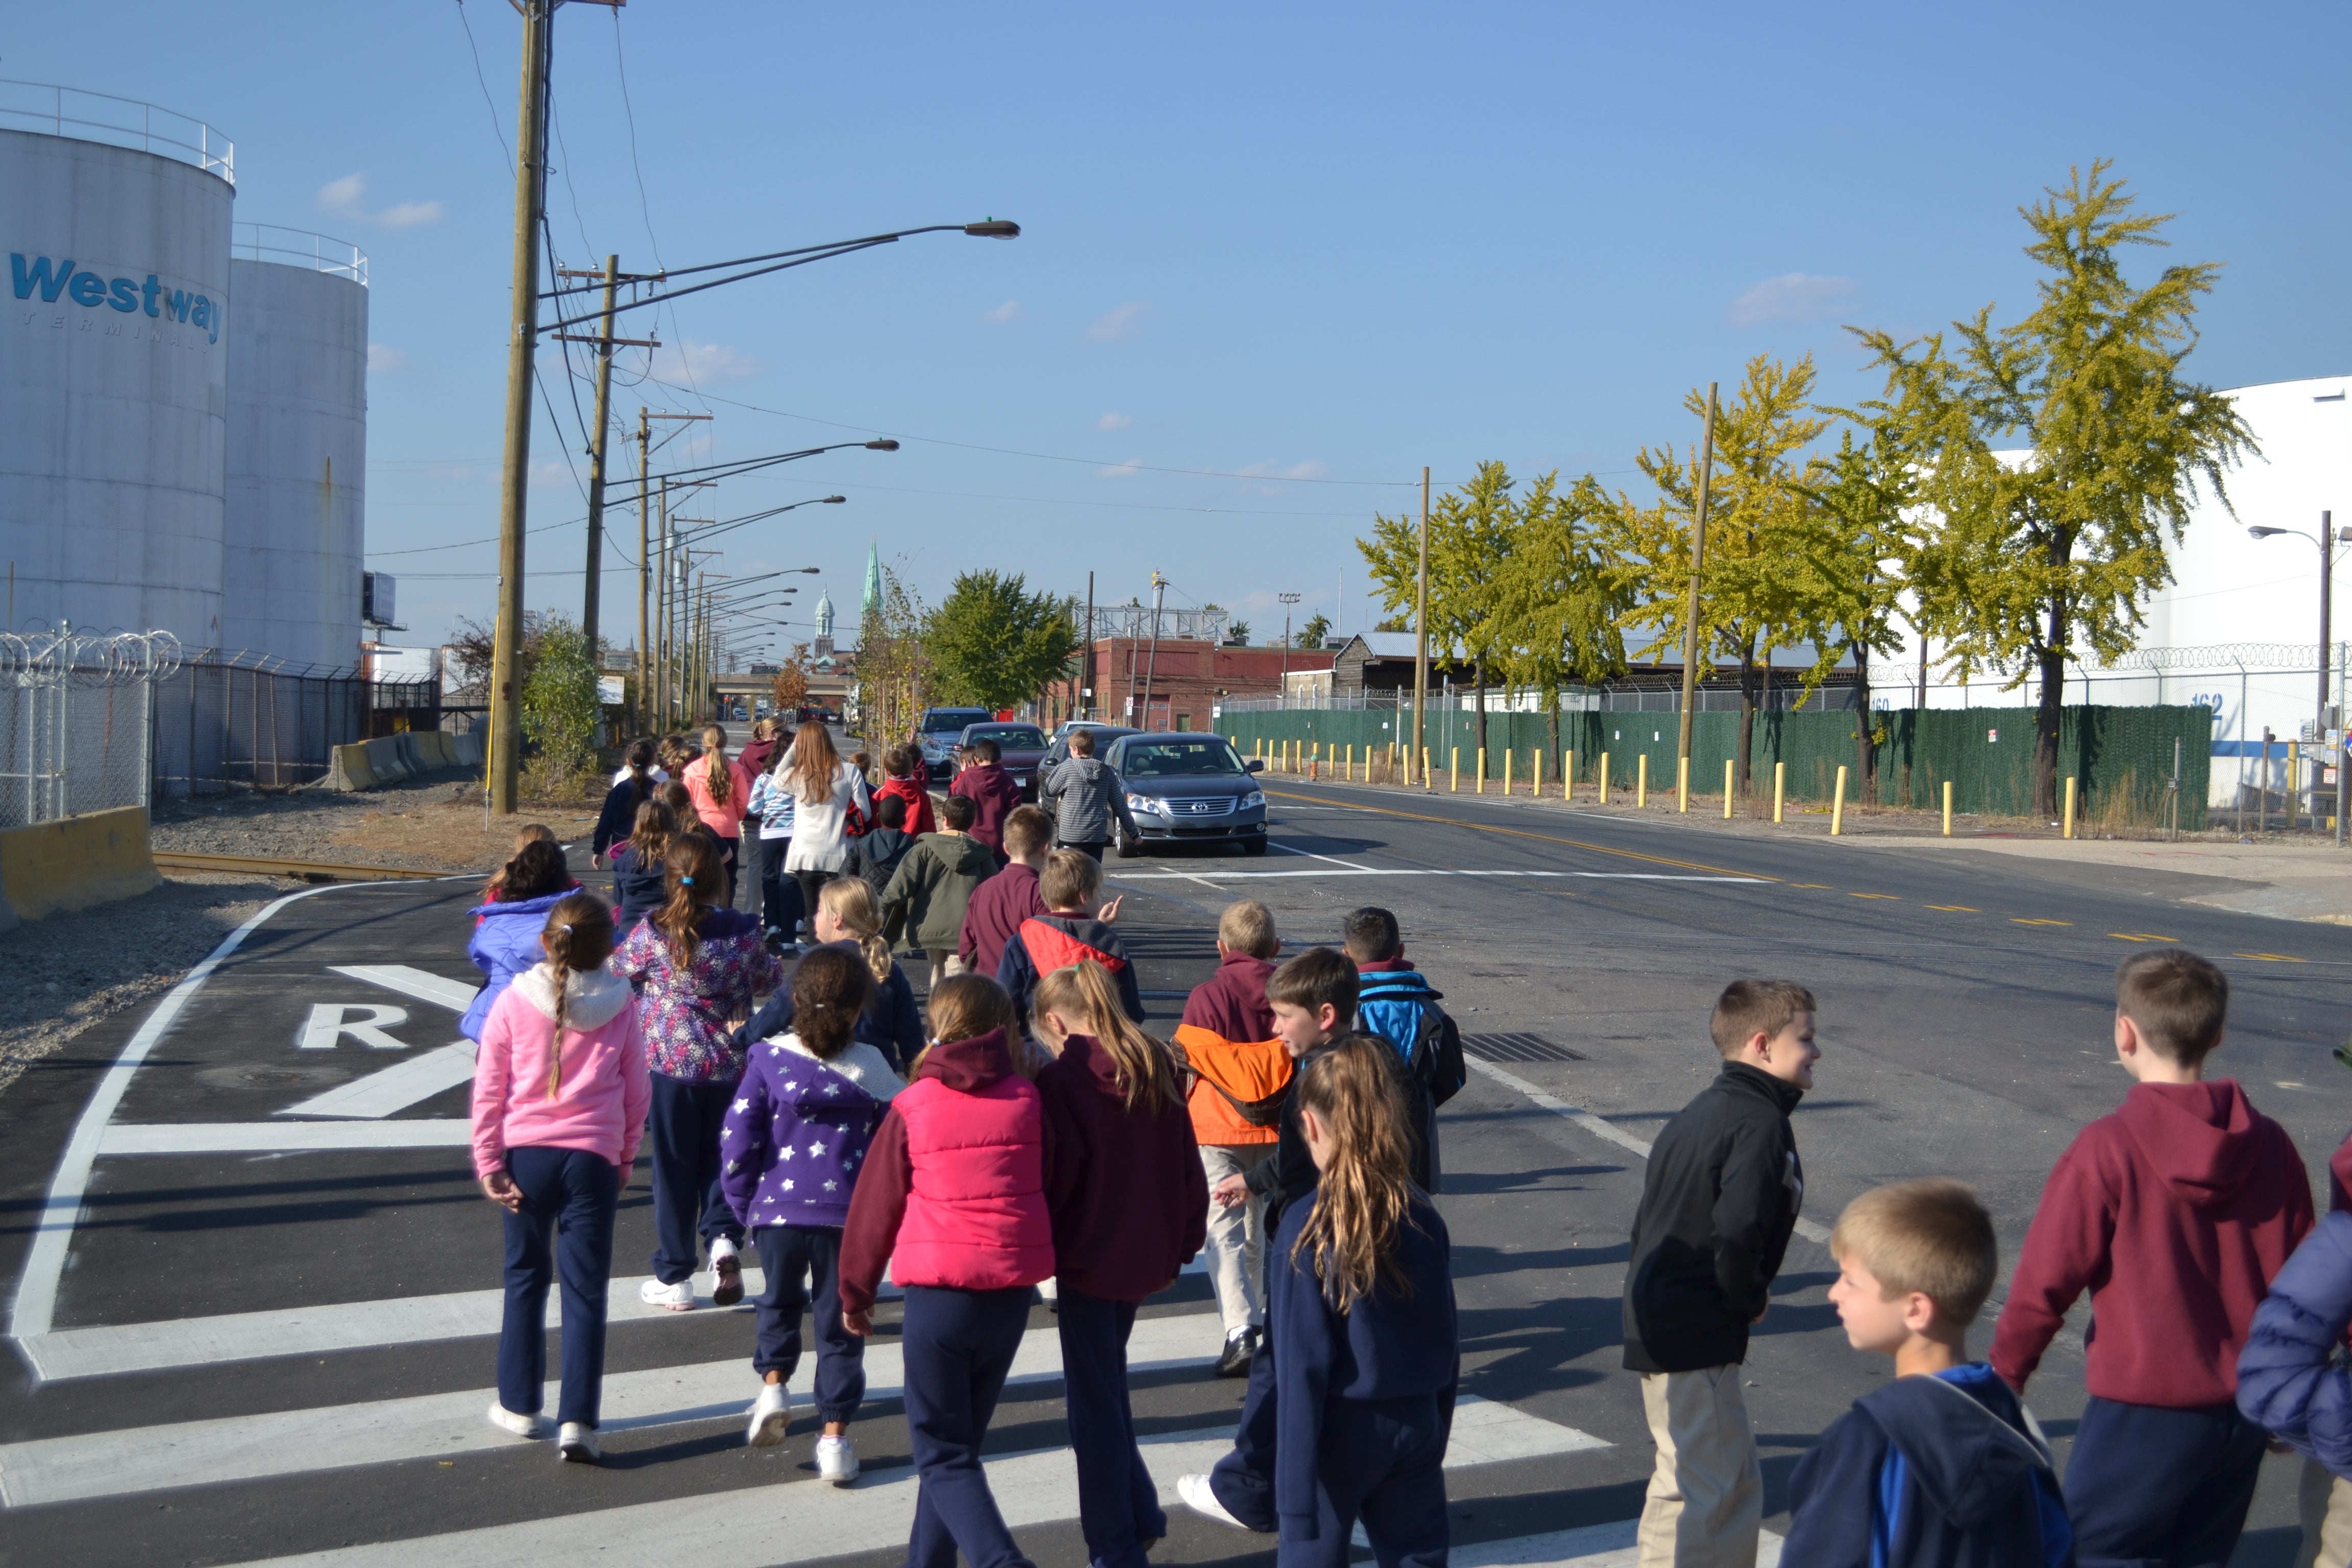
(1185, 680)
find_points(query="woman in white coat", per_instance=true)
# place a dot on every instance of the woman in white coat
(824, 791)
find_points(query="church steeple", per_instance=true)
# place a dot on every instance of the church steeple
(873, 596)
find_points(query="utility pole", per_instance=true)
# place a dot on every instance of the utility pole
(1086, 669)
(645, 650)
(2327, 605)
(1282, 688)
(591, 593)
(652, 583)
(1159, 594)
(1698, 556)
(530, 204)
(1420, 643)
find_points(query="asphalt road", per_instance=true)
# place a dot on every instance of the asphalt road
(244, 1334)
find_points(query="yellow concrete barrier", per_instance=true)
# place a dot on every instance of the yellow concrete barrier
(76, 862)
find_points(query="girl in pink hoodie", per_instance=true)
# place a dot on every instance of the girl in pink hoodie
(559, 1097)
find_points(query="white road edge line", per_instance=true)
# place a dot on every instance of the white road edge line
(1123, 875)
(1809, 1229)
(35, 1302)
(1286, 849)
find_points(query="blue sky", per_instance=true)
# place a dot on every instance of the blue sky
(1275, 258)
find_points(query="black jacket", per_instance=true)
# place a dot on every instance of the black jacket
(1929, 1472)
(876, 855)
(1718, 1202)
(637, 890)
(618, 817)
(891, 1024)
(1288, 1173)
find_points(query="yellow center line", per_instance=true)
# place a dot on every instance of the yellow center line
(1870, 895)
(1957, 908)
(2029, 922)
(2141, 936)
(2270, 957)
(1522, 833)
(1814, 885)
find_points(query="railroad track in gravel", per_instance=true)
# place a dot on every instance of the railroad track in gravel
(302, 870)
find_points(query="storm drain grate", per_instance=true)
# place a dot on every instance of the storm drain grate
(1517, 1048)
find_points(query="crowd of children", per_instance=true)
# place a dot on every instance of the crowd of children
(1025, 1132)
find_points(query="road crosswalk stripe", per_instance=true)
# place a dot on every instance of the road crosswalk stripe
(110, 1349)
(1032, 1488)
(1608, 1545)
(294, 1442)
(410, 981)
(124, 1138)
(396, 1088)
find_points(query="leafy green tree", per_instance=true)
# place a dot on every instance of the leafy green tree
(1559, 596)
(1469, 536)
(994, 643)
(560, 699)
(1760, 588)
(2053, 558)
(1317, 629)
(1867, 558)
(1239, 631)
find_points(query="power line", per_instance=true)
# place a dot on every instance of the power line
(497, 130)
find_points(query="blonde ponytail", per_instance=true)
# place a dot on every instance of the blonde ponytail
(1364, 1195)
(1144, 1069)
(850, 902)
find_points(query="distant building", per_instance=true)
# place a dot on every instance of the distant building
(1177, 685)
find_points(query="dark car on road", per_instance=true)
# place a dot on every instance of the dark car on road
(1019, 749)
(1059, 752)
(940, 732)
(1189, 788)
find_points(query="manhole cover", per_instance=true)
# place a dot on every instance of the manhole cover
(1517, 1048)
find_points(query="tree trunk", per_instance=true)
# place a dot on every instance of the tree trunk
(1748, 700)
(1551, 729)
(2046, 731)
(1478, 673)
(1865, 754)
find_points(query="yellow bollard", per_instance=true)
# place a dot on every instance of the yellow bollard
(1837, 806)
(1425, 767)
(1535, 787)
(1682, 785)
(1454, 770)
(1604, 778)
(2068, 832)
(1948, 808)
(1642, 781)
(1347, 766)
(1726, 789)
(1507, 758)
(1780, 777)
(1481, 788)
(1567, 775)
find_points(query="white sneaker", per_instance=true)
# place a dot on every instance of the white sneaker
(576, 1443)
(1198, 1497)
(507, 1420)
(771, 1414)
(837, 1461)
(678, 1298)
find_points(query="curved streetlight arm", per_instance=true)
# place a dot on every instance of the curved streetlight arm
(740, 465)
(775, 261)
(705, 532)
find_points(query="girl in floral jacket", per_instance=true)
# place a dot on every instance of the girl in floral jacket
(701, 964)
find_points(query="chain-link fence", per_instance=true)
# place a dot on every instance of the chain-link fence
(225, 724)
(74, 730)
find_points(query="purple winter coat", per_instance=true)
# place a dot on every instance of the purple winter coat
(798, 1130)
(504, 944)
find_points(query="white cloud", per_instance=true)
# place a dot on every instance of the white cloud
(1792, 297)
(1307, 471)
(1122, 323)
(1126, 470)
(692, 363)
(384, 357)
(347, 198)
(1009, 311)
(1114, 421)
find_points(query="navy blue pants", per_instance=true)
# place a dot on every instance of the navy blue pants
(1378, 1460)
(787, 1253)
(565, 1229)
(1118, 1505)
(730, 854)
(1243, 1479)
(957, 1345)
(682, 1130)
(2145, 1485)
(780, 890)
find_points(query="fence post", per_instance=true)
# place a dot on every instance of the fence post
(2294, 778)
(2067, 831)
(1948, 808)
(1779, 780)
(1642, 779)
(1837, 806)
(1726, 789)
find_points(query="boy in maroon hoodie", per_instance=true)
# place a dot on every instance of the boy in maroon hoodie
(988, 786)
(2175, 1212)
(1000, 904)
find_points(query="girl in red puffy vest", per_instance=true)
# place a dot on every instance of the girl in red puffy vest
(952, 1198)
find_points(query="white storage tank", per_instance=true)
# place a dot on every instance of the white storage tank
(297, 340)
(114, 364)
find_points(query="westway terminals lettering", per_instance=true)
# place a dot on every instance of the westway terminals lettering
(125, 294)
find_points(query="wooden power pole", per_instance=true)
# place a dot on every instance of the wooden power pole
(1698, 555)
(1420, 643)
(591, 592)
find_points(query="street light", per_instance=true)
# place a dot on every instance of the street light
(1282, 688)
(2327, 538)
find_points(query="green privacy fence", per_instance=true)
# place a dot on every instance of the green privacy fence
(2122, 756)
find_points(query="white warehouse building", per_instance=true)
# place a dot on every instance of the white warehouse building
(2237, 629)
(187, 396)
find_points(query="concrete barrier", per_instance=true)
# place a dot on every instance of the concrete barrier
(433, 745)
(468, 749)
(75, 863)
(348, 768)
(388, 759)
(383, 759)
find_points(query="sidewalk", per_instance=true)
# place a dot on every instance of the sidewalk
(2292, 881)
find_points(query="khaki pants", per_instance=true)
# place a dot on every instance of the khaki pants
(945, 962)
(1236, 1238)
(2325, 1503)
(1704, 1507)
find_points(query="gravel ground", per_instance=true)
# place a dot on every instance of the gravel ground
(88, 967)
